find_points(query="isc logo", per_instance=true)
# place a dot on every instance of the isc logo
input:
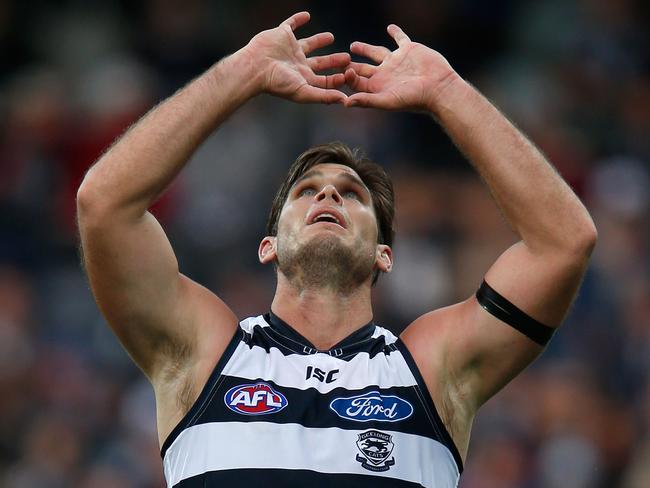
(320, 375)
(255, 399)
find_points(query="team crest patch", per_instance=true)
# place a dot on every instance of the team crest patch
(255, 399)
(376, 448)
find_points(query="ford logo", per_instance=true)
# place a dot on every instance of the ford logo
(372, 406)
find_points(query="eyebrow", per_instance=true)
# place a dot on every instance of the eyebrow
(344, 175)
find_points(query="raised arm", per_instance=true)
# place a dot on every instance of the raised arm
(166, 321)
(467, 352)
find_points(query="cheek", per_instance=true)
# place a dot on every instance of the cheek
(288, 221)
(370, 226)
(366, 233)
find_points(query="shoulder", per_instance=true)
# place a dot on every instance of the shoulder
(429, 334)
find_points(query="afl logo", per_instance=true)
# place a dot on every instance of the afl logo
(255, 399)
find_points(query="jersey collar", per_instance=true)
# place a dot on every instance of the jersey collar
(292, 338)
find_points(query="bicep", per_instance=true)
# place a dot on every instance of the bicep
(487, 352)
(133, 272)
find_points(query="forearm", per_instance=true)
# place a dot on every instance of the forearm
(534, 199)
(141, 165)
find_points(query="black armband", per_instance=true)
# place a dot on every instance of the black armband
(502, 309)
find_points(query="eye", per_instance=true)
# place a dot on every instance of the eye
(307, 191)
(350, 194)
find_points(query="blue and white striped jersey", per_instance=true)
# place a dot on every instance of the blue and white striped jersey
(278, 412)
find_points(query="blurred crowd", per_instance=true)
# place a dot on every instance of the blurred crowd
(574, 75)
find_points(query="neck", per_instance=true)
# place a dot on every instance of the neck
(323, 316)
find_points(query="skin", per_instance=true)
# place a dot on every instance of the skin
(176, 330)
(324, 314)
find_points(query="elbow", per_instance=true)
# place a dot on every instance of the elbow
(98, 205)
(93, 204)
(592, 238)
(87, 200)
(574, 243)
(588, 237)
(87, 218)
(84, 197)
(583, 239)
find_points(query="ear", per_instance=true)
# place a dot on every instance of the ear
(384, 258)
(267, 251)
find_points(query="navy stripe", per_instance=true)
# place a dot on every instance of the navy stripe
(205, 394)
(268, 337)
(297, 478)
(442, 432)
(359, 336)
(310, 408)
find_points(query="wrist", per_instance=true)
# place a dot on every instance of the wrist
(446, 93)
(247, 65)
(236, 72)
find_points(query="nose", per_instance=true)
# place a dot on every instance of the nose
(329, 191)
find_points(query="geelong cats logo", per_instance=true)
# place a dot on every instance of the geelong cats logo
(255, 399)
(376, 448)
(372, 406)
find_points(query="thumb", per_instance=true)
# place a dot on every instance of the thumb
(369, 100)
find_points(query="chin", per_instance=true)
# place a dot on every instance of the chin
(325, 261)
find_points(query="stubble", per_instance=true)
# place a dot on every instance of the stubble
(325, 262)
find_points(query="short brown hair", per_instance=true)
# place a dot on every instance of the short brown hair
(373, 176)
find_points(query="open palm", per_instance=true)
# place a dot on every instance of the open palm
(408, 78)
(283, 68)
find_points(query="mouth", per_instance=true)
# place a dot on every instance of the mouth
(327, 224)
(330, 217)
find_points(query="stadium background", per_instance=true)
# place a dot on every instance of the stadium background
(574, 75)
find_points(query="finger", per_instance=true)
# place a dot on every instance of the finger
(336, 60)
(369, 100)
(316, 41)
(375, 53)
(326, 81)
(356, 82)
(296, 20)
(312, 94)
(363, 69)
(398, 35)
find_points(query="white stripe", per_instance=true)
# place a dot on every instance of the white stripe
(388, 335)
(384, 371)
(250, 322)
(240, 445)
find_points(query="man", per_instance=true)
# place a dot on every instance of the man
(313, 393)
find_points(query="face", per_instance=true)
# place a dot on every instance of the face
(327, 232)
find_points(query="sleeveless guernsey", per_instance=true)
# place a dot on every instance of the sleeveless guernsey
(278, 412)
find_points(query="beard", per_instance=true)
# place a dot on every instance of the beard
(325, 262)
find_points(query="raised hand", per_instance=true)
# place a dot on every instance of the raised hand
(283, 68)
(409, 78)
